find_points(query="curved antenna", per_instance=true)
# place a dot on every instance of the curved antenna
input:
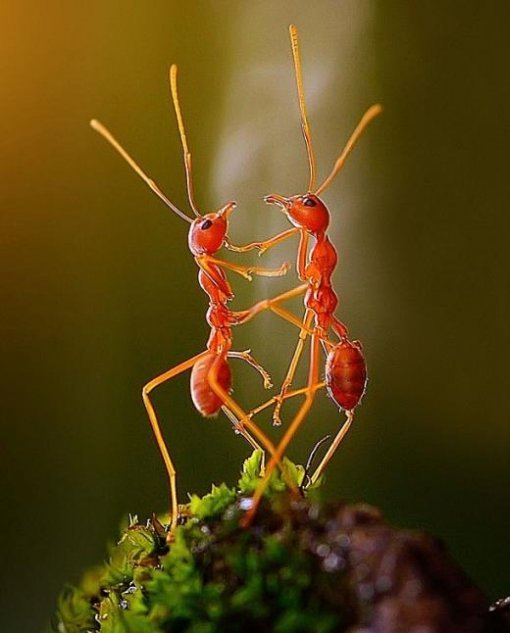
(187, 154)
(106, 134)
(370, 114)
(306, 481)
(302, 105)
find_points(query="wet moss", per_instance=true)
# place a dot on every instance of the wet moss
(216, 576)
(302, 566)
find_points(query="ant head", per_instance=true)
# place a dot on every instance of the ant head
(207, 233)
(306, 211)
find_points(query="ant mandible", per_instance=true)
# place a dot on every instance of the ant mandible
(345, 365)
(211, 377)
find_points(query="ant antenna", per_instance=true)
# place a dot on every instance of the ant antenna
(100, 128)
(370, 114)
(187, 154)
(302, 105)
(307, 480)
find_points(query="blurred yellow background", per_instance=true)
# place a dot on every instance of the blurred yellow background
(99, 291)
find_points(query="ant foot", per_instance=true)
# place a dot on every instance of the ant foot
(284, 268)
(276, 413)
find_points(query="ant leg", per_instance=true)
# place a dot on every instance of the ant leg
(288, 316)
(242, 416)
(307, 320)
(313, 380)
(261, 246)
(248, 271)
(246, 356)
(243, 316)
(238, 428)
(332, 449)
(289, 394)
(170, 469)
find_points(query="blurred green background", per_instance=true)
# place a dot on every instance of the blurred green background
(99, 292)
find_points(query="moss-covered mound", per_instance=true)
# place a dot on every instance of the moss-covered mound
(303, 566)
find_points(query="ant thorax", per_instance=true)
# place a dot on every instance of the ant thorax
(322, 260)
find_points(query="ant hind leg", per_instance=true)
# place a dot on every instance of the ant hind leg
(169, 465)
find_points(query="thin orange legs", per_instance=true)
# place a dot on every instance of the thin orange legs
(169, 465)
(242, 417)
(310, 391)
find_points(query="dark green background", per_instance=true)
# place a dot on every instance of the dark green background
(99, 293)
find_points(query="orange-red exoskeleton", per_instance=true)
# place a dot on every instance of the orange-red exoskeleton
(345, 364)
(211, 377)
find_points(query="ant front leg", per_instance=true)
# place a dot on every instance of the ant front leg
(262, 247)
(169, 465)
(248, 271)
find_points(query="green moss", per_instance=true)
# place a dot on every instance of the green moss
(216, 576)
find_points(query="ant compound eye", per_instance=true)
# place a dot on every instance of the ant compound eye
(309, 202)
(206, 225)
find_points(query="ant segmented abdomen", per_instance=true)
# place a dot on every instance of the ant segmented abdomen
(206, 401)
(346, 374)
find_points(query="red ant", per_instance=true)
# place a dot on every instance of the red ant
(345, 364)
(211, 377)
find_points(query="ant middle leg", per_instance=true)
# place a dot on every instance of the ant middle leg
(310, 391)
(305, 328)
(290, 394)
(246, 356)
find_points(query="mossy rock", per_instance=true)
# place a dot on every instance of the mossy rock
(302, 566)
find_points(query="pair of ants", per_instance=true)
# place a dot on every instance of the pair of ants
(211, 377)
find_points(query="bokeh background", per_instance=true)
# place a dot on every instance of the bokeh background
(99, 292)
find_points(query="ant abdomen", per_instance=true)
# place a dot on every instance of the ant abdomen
(346, 374)
(205, 400)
